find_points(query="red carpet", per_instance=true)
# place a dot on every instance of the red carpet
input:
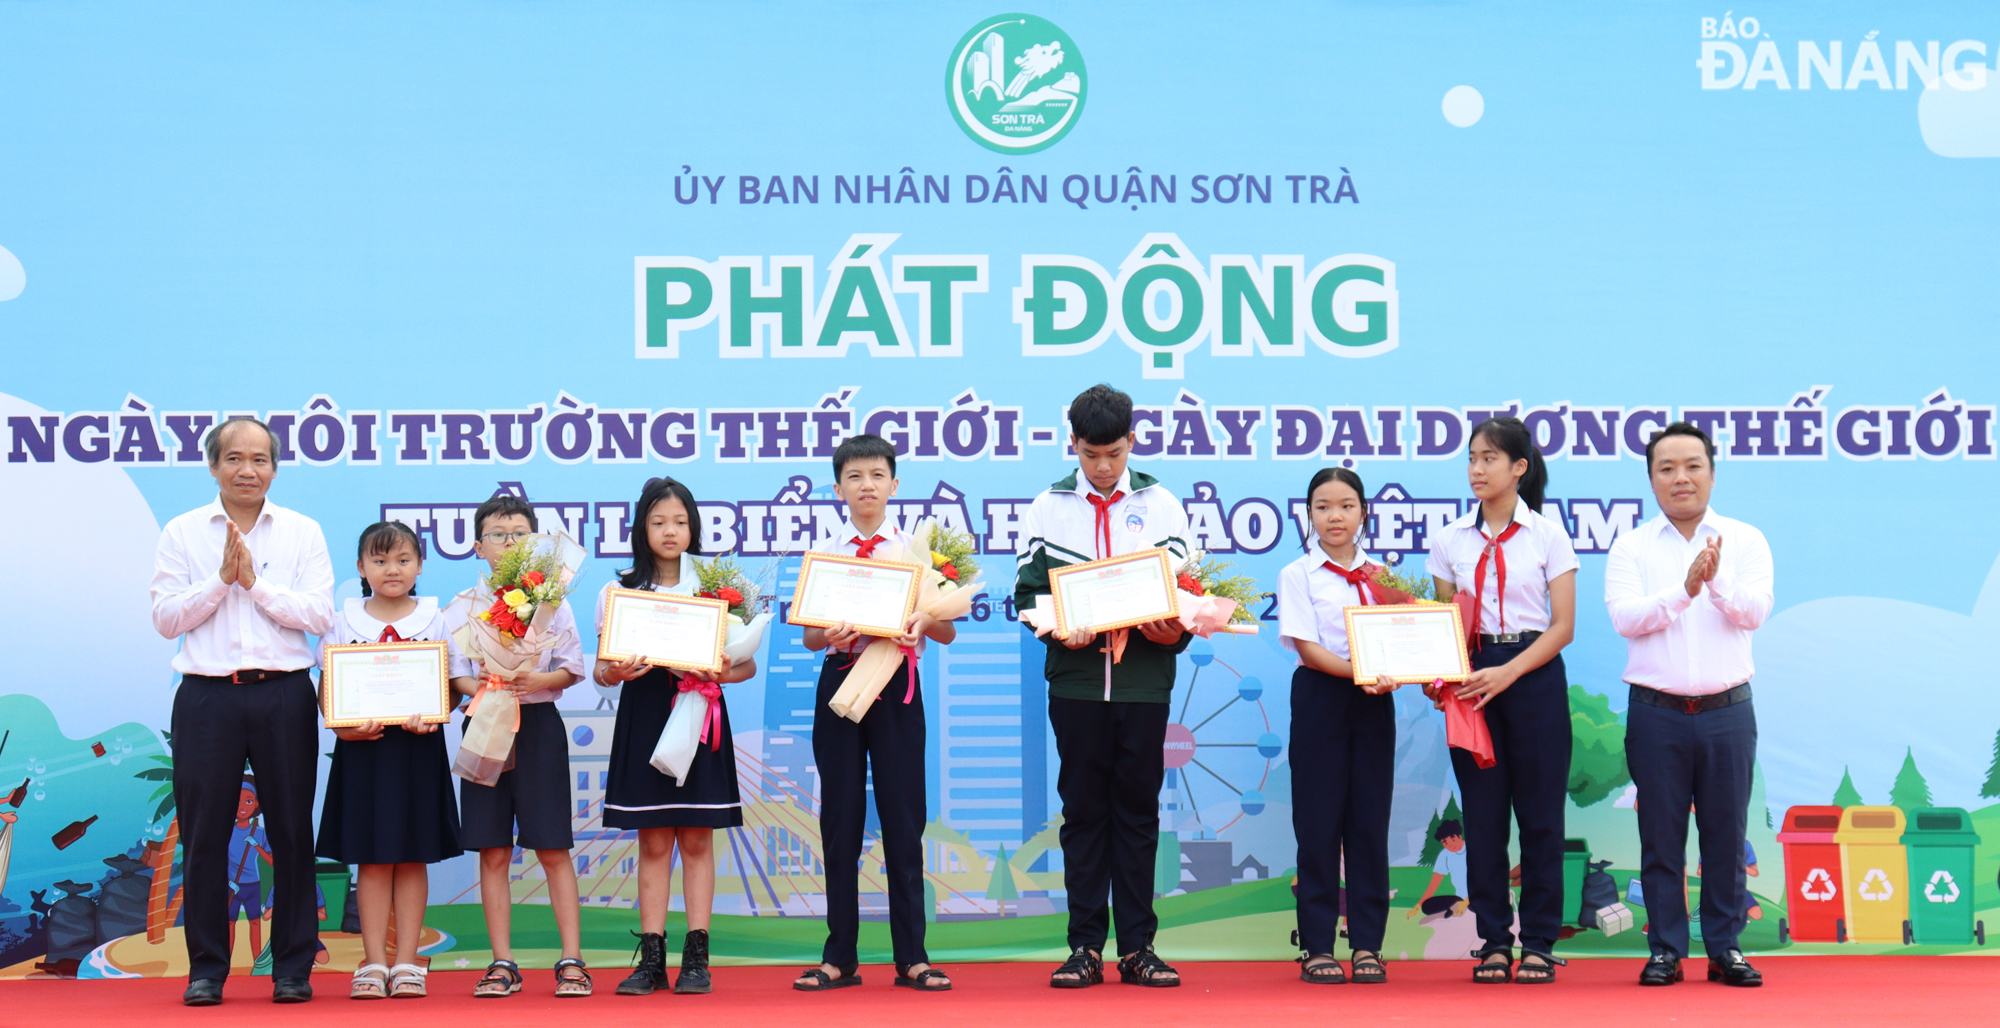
(1933, 991)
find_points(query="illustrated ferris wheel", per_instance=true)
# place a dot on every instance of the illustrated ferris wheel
(1220, 747)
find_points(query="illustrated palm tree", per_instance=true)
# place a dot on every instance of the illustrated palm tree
(161, 909)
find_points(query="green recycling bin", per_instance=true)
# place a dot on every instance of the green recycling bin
(1576, 865)
(332, 881)
(1940, 841)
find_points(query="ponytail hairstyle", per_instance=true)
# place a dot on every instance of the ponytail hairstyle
(640, 574)
(1345, 477)
(1511, 437)
(384, 537)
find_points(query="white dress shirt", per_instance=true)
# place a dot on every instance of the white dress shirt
(224, 627)
(1312, 602)
(566, 655)
(844, 544)
(1676, 643)
(1538, 554)
(353, 624)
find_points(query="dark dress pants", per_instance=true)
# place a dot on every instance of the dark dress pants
(889, 740)
(1343, 757)
(1680, 760)
(1113, 761)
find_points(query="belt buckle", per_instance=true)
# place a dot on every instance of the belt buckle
(236, 678)
(1694, 704)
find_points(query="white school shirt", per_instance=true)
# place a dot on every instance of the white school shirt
(224, 627)
(1538, 554)
(1681, 644)
(1312, 601)
(353, 624)
(844, 544)
(565, 656)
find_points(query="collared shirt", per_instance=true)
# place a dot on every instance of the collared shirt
(1311, 602)
(353, 624)
(224, 627)
(1681, 644)
(1538, 554)
(844, 544)
(566, 655)
(685, 587)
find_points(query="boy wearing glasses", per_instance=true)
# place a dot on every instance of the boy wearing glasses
(530, 805)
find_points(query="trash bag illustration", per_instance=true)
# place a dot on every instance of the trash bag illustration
(72, 923)
(1600, 890)
(121, 902)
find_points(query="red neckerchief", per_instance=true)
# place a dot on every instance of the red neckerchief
(390, 635)
(867, 549)
(1497, 549)
(1103, 527)
(1359, 578)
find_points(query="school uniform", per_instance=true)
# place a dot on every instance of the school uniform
(1691, 730)
(638, 795)
(1343, 756)
(1111, 750)
(388, 800)
(889, 741)
(1529, 722)
(529, 806)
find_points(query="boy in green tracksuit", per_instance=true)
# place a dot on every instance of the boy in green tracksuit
(1110, 719)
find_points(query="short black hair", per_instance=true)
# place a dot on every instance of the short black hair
(1679, 428)
(862, 447)
(1449, 828)
(383, 537)
(640, 574)
(213, 444)
(501, 506)
(1100, 415)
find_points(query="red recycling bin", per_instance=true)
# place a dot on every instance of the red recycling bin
(1813, 905)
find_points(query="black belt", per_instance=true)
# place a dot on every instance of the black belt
(1691, 704)
(1508, 638)
(251, 676)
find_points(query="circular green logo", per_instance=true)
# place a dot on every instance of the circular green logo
(1015, 83)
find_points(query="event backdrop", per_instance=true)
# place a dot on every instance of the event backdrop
(451, 249)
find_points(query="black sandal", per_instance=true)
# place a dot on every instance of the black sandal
(1543, 972)
(921, 981)
(823, 982)
(1490, 971)
(1084, 969)
(1146, 968)
(1328, 973)
(1368, 968)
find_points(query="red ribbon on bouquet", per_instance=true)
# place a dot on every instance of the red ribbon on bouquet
(711, 728)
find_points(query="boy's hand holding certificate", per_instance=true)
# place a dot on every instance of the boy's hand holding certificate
(873, 597)
(387, 683)
(1116, 592)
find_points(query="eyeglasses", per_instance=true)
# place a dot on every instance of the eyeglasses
(504, 538)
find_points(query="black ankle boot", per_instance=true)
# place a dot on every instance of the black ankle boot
(694, 963)
(651, 971)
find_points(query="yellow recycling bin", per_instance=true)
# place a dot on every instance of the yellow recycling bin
(1877, 889)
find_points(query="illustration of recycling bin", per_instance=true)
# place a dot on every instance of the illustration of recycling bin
(1813, 904)
(1940, 841)
(1576, 864)
(1876, 885)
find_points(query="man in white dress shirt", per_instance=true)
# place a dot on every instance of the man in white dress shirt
(242, 582)
(1686, 589)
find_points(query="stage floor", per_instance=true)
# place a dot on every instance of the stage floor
(1937, 991)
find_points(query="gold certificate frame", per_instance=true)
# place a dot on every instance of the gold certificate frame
(1412, 642)
(685, 633)
(385, 683)
(862, 594)
(1116, 592)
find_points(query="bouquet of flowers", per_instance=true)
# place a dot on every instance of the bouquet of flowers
(1204, 577)
(1397, 584)
(946, 594)
(695, 718)
(506, 638)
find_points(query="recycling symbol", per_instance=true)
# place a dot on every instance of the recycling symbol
(1818, 877)
(1950, 895)
(1883, 890)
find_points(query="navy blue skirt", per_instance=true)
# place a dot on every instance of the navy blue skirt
(639, 796)
(389, 801)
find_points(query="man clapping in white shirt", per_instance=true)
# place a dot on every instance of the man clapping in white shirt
(1686, 589)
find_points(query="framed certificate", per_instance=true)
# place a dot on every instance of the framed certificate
(685, 633)
(1416, 642)
(1116, 592)
(385, 682)
(874, 596)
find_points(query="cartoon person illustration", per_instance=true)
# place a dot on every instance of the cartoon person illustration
(1756, 911)
(246, 843)
(1450, 863)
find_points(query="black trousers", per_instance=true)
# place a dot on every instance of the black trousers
(890, 739)
(1343, 756)
(1530, 780)
(1701, 760)
(217, 725)
(1112, 766)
